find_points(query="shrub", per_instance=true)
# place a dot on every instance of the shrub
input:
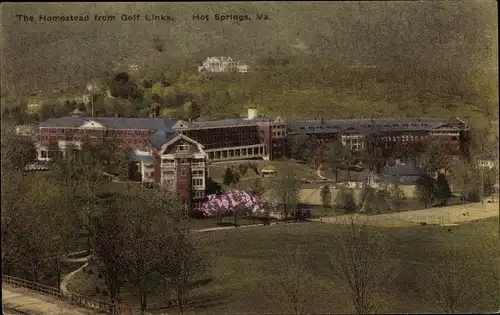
(254, 167)
(105, 292)
(345, 200)
(368, 199)
(381, 203)
(228, 177)
(243, 169)
(97, 290)
(473, 196)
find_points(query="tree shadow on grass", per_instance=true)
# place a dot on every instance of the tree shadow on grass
(199, 302)
(200, 282)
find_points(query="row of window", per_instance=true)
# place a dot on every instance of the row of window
(79, 138)
(278, 134)
(110, 131)
(236, 152)
(197, 194)
(196, 173)
(365, 126)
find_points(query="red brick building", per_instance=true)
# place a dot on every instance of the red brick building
(175, 154)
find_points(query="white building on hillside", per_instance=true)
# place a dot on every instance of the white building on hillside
(222, 64)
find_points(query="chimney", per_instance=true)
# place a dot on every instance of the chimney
(322, 121)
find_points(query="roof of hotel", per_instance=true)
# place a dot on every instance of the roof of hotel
(112, 122)
(361, 125)
(161, 137)
(229, 122)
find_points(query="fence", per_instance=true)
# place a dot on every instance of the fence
(72, 298)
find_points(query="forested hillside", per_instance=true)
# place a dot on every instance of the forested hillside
(433, 58)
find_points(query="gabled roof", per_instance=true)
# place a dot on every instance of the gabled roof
(111, 122)
(179, 136)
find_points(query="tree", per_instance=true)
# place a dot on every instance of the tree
(66, 169)
(373, 154)
(294, 280)
(17, 151)
(194, 110)
(326, 199)
(300, 148)
(286, 188)
(396, 195)
(443, 191)
(451, 285)
(361, 259)
(434, 159)
(257, 188)
(381, 201)
(345, 200)
(243, 169)
(107, 239)
(228, 177)
(146, 232)
(335, 157)
(95, 156)
(368, 199)
(232, 202)
(425, 190)
(185, 264)
(489, 257)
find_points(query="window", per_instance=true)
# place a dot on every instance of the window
(43, 154)
(197, 182)
(183, 148)
(168, 173)
(198, 173)
(198, 194)
(183, 173)
(167, 161)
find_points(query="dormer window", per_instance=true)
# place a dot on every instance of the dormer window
(183, 148)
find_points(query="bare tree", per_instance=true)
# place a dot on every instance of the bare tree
(450, 285)
(490, 258)
(147, 231)
(185, 263)
(360, 259)
(286, 188)
(107, 233)
(294, 281)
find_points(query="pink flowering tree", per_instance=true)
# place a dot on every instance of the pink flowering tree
(232, 202)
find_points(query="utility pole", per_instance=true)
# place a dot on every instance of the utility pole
(92, 102)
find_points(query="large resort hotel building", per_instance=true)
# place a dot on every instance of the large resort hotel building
(175, 153)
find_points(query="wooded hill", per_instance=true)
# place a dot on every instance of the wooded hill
(433, 58)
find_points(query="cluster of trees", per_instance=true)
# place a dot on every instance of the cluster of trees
(232, 174)
(335, 156)
(139, 238)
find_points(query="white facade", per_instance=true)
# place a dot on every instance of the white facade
(355, 142)
(222, 64)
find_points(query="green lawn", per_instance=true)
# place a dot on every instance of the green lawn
(244, 263)
(300, 170)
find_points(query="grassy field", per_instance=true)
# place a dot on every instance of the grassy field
(245, 263)
(301, 171)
